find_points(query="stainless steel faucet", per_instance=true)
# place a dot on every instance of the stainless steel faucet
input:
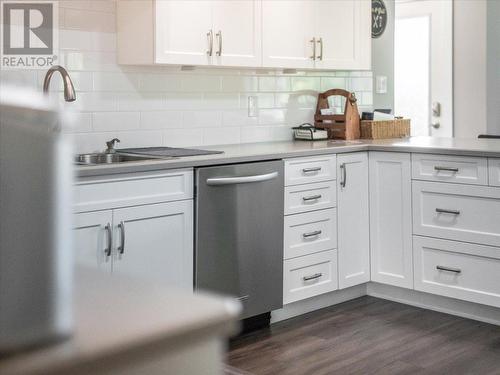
(111, 146)
(69, 89)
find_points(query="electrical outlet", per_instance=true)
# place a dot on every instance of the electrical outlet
(381, 85)
(252, 106)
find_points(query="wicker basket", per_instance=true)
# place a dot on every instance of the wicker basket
(383, 129)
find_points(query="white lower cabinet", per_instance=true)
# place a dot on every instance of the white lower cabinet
(155, 242)
(390, 219)
(459, 270)
(353, 219)
(151, 241)
(309, 275)
(93, 239)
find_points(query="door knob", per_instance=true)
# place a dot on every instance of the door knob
(435, 125)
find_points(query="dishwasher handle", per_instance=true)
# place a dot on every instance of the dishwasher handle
(218, 181)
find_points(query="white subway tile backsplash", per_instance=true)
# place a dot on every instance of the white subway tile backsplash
(201, 119)
(221, 136)
(161, 120)
(185, 137)
(110, 121)
(116, 82)
(163, 105)
(238, 118)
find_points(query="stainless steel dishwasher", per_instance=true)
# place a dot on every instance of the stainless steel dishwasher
(239, 234)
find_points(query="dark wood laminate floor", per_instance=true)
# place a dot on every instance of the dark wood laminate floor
(370, 336)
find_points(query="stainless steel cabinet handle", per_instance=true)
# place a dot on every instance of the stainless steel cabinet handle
(312, 277)
(343, 181)
(312, 198)
(210, 36)
(219, 38)
(121, 248)
(312, 234)
(447, 169)
(320, 42)
(449, 269)
(107, 251)
(241, 180)
(310, 170)
(444, 211)
(313, 41)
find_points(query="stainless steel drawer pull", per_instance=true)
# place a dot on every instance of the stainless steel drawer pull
(449, 269)
(217, 181)
(343, 181)
(310, 170)
(312, 277)
(312, 198)
(210, 36)
(447, 169)
(312, 234)
(107, 251)
(121, 248)
(444, 211)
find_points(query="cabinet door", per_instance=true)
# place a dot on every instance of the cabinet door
(353, 219)
(181, 32)
(287, 29)
(238, 32)
(344, 27)
(155, 242)
(93, 239)
(390, 219)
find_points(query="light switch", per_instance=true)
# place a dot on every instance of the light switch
(381, 84)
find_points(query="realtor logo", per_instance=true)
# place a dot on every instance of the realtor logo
(29, 34)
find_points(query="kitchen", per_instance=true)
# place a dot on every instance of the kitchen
(188, 176)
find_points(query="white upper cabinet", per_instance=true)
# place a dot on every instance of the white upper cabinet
(321, 34)
(181, 32)
(237, 29)
(343, 34)
(194, 32)
(287, 33)
(300, 34)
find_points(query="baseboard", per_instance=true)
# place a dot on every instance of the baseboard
(318, 302)
(464, 309)
(469, 310)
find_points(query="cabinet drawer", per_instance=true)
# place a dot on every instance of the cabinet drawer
(131, 189)
(310, 233)
(309, 276)
(494, 172)
(457, 212)
(305, 170)
(445, 168)
(310, 197)
(459, 270)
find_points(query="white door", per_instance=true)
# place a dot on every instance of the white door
(184, 32)
(238, 32)
(343, 31)
(288, 28)
(424, 66)
(93, 239)
(353, 219)
(390, 219)
(155, 242)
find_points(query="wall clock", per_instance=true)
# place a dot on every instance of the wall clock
(379, 18)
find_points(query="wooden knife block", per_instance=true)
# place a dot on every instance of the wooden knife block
(345, 126)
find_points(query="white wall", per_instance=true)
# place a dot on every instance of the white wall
(469, 68)
(149, 106)
(493, 64)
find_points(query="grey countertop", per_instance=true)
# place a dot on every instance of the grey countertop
(240, 153)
